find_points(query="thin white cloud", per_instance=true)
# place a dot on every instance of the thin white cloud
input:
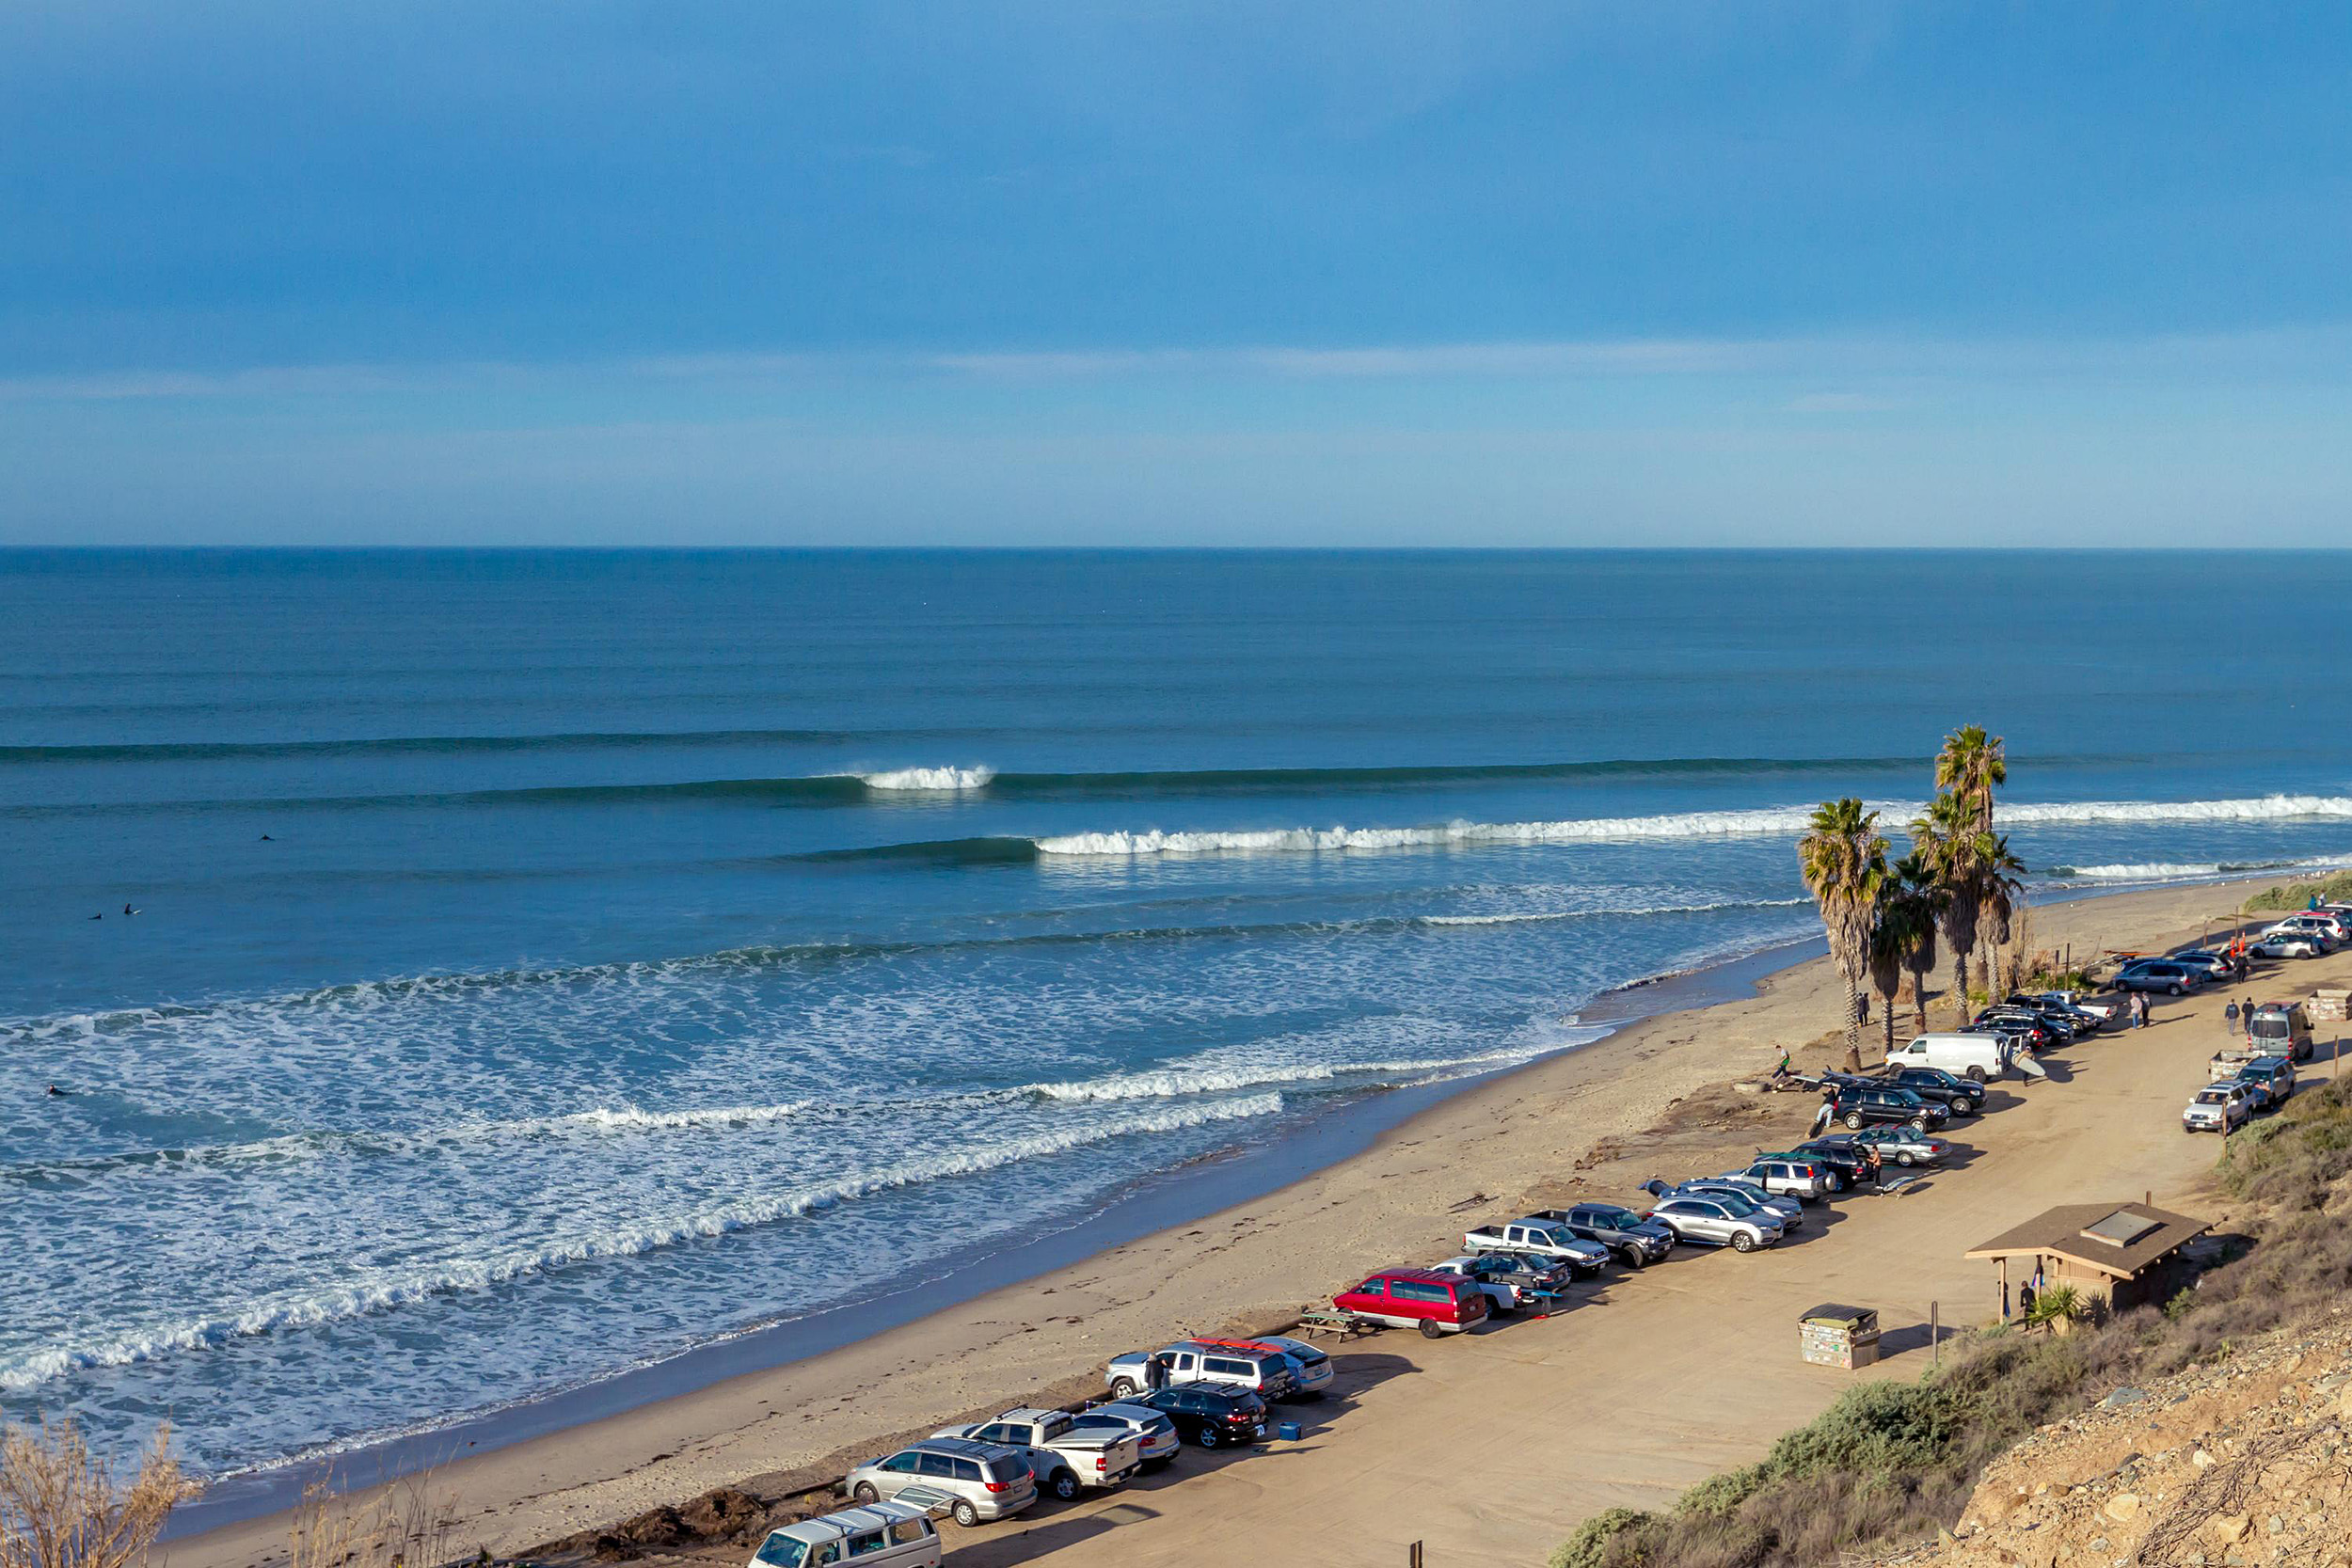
(2318, 352)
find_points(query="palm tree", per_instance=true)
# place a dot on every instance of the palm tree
(1997, 890)
(1887, 936)
(1845, 865)
(1971, 765)
(1908, 912)
(1947, 840)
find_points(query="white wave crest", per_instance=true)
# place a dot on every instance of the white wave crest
(938, 779)
(1177, 1081)
(1762, 822)
(1530, 917)
(385, 1290)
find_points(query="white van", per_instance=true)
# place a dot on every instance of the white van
(892, 1533)
(1978, 1057)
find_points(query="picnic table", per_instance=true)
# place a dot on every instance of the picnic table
(1341, 1325)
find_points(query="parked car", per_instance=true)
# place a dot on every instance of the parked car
(1417, 1298)
(1901, 1145)
(1064, 1459)
(1543, 1237)
(1262, 1371)
(1310, 1370)
(1786, 1210)
(2158, 974)
(2086, 1019)
(2334, 926)
(1711, 1222)
(2218, 1108)
(1962, 1097)
(2272, 1077)
(2275, 943)
(1633, 1241)
(1512, 1280)
(2218, 968)
(2284, 1028)
(1836, 1157)
(1975, 1057)
(2107, 1009)
(1155, 1435)
(1860, 1108)
(1799, 1178)
(981, 1481)
(1209, 1416)
(2038, 1032)
(888, 1534)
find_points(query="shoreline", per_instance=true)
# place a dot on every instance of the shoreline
(776, 1424)
(1325, 1137)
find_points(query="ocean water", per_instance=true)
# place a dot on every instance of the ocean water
(547, 962)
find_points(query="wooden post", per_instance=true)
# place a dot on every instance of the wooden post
(2004, 1262)
(1935, 1334)
(1412, 1556)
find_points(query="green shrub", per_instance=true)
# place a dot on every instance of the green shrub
(1611, 1539)
(2297, 896)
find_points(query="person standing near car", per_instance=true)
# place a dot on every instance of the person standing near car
(2229, 1016)
(1827, 1113)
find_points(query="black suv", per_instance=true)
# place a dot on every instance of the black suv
(1962, 1097)
(1859, 1108)
(1210, 1415)
(1631, 1239)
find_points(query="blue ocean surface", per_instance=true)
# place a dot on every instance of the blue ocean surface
(546, 962)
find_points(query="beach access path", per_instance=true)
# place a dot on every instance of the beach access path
(1497, 1444)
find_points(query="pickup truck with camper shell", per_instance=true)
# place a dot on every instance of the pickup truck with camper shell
(1065, 1458)
(1513, 1281)
(1541, 1237)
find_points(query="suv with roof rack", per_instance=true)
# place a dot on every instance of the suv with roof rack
(978, 1480)
(1245, 1364)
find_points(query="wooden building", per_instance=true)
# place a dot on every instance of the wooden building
(2115, 1254)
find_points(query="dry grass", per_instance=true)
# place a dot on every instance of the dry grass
(407, 1525)
(61, 1506)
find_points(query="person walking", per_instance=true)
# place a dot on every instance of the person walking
(1827, 1113)
(2245, 1017)
(2229, 1018)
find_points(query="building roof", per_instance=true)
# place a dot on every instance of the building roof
(2118, 1239)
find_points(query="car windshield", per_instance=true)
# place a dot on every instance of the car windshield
(781, 1551)
(1609, 1219)
(2212, 1097)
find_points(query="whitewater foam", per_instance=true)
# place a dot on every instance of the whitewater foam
(1764, 822)
(939, 780)
(385, 1291)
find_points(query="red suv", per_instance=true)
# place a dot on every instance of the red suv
(1417, 1298)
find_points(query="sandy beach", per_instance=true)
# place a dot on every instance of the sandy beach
(1501, 1441)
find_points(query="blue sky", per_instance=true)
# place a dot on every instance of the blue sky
(1255, 273)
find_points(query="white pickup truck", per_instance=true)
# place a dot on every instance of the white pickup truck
(1064, 1459)
(1539, 1238)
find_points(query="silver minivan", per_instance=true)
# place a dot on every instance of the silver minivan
(896, 1534)
(984, 1480)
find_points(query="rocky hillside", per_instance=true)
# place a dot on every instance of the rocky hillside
(2245, 1459)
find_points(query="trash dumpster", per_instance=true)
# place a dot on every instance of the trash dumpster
(1832, 1334)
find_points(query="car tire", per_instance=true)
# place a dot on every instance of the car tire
(1122, 1389)
(1743, 1241)
(1429, 1329)
(2177, 989)
(1902, 1157)
(863, 1492)
(1837, 1182)
(1975, 1075)
(1206, 1437)
(1633, 1259)
(1063, 1484)
(965, 1514)
(1853, 1121)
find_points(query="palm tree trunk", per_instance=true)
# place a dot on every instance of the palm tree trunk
(1919, 1000)
(1889, 1021)
(1959, 983)
(1853, 1027)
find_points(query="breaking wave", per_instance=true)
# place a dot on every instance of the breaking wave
(942, 780)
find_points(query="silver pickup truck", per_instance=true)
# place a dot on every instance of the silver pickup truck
(1539, 1238)
(1064, 1459)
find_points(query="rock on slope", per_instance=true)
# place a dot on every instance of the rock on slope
(2247, 1460)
